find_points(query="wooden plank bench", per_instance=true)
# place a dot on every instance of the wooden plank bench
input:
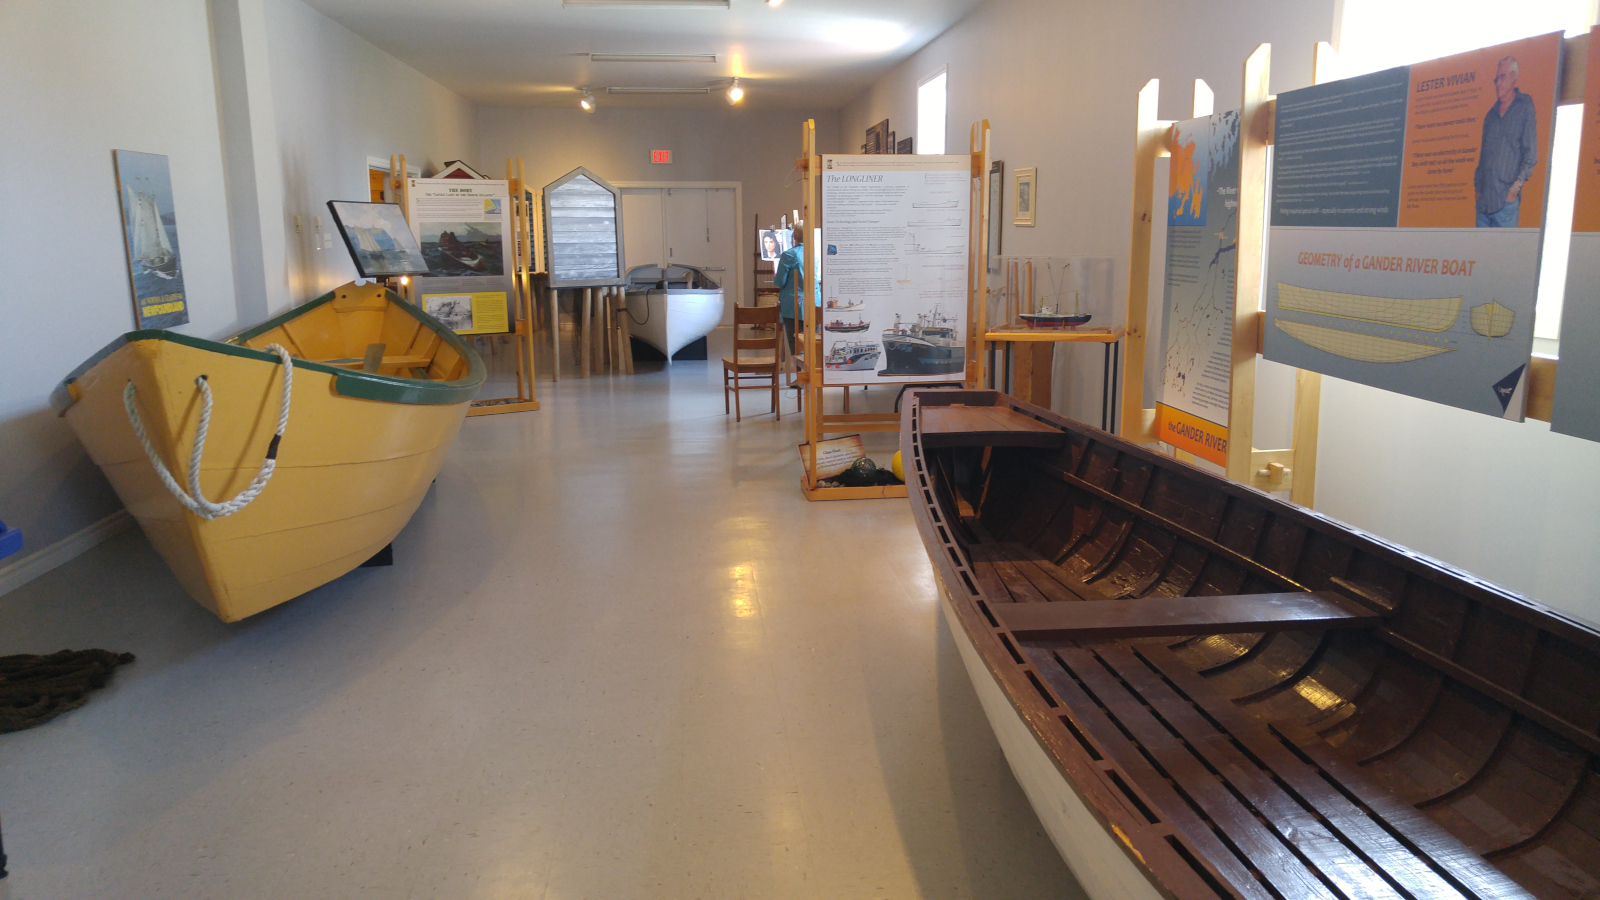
(1182, 616)
(986, 426)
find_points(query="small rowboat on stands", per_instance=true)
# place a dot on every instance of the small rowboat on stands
(1207, 692)
(317, 486)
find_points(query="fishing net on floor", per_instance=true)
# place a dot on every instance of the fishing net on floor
(36, 689)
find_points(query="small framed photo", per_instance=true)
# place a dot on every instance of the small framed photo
(1025, 197)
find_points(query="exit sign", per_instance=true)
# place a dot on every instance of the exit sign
(661, 157)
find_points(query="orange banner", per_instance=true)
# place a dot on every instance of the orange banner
(1207, 440)
(1450, 98)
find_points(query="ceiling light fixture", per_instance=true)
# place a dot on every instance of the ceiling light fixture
(586, 101)
(657, 90)
(735, 92)
(774, 3)
(650, 4)
(653, 57)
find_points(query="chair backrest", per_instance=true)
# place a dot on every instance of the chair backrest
(755, 319)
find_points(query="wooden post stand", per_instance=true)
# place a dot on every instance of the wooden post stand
(1292, 469)
(522, 278)
(819, 423)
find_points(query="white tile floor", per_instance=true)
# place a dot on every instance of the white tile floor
(619, 656)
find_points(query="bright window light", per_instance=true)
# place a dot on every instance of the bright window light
(1380, 34)
(930, 114)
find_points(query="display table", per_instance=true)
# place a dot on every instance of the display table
(1029, 365)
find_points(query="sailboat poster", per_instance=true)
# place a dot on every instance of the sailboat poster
(150, 230)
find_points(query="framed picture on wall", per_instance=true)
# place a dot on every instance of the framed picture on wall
(1025, 197)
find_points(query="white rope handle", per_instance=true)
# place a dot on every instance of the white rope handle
(193, 500)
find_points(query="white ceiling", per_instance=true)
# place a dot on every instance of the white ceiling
(802, 54)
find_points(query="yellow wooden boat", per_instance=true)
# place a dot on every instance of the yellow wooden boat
(379, 390)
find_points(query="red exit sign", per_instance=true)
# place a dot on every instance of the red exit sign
(661, 157)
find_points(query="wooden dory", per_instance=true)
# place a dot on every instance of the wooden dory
(359, 452)
(1206, 692)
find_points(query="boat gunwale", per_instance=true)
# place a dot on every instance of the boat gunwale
(1032, 704)
(1451, 577)
(346, 382)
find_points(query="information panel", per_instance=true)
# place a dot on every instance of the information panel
(1406, 215)
(464, 227)
(895, 235)
(1202, 262)
(1577, 400)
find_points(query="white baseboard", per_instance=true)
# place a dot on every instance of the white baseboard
(26, 569)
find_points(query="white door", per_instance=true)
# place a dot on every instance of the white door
(643, 227)
(700, 225)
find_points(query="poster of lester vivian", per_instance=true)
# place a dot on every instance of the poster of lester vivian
(150, 229)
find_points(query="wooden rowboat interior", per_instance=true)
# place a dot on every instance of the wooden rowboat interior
(359, 329)
(1264, 702)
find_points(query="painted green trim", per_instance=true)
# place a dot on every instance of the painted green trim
(346, 383)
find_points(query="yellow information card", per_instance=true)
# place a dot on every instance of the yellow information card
(480, 312)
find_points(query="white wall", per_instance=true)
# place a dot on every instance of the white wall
(338, 100)
(84, 77)
(755, 148)
(1057, 82)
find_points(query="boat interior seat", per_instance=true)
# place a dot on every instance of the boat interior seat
(1274, 811)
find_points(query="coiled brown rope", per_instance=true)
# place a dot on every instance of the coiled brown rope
(36, 689)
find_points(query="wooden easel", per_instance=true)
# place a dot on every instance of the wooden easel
(818, 423)
(1293, 469)
(521, 300)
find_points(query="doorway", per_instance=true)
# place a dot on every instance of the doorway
(694, 224)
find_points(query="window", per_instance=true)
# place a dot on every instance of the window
(1378, 34)
(930, 114)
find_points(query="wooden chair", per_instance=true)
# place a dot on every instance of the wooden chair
(762, 366)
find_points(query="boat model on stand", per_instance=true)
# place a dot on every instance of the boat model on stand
(852, 356)
(930, 346)
(1048, 317)
(1207, 692)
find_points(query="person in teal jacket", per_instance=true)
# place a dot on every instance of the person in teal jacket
(791, 271)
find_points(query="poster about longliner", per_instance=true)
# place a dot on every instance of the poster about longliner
(1406, 214)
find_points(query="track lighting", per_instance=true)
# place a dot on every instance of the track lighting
(735, 92)
(774, 3)
(586, 101)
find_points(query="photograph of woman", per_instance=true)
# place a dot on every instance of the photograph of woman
(773, 242)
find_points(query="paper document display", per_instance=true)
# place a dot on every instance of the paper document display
(150, 229)
(464, 227)
(1406, 214)
(1577, 400)
(1198, 297)
(895, 244)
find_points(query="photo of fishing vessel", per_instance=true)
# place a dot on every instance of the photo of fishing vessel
(852, 356)
(843, 326)
(930, 346)
(844, 305)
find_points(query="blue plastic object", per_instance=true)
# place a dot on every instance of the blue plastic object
(10, 540)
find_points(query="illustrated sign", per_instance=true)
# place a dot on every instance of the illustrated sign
(1577, 399)
(1406, 216)
(150, 230)
(895, 233)
(464, 228)
(1198, 298)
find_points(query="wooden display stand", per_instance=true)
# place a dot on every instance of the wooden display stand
(525, 233)
(819, 424)
(1292, 469)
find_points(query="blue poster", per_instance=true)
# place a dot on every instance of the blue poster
(150, 230)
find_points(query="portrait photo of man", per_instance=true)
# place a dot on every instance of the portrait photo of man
(1509, 151)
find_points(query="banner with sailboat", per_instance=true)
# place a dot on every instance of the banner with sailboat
(150, 232)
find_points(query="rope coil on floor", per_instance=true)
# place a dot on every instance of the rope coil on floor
(193, 500)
